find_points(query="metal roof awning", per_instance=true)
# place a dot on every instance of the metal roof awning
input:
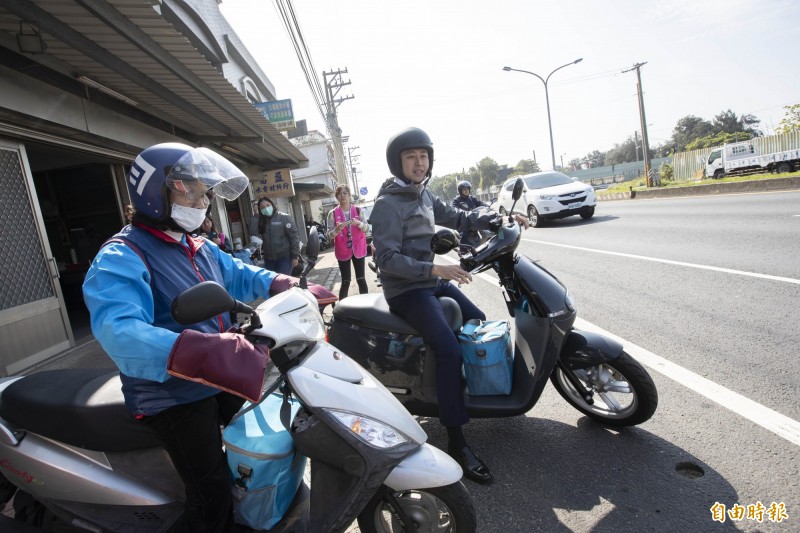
(130, 56)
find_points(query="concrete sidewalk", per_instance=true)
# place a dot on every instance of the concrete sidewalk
(89, 354)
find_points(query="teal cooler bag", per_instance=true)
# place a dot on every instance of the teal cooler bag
(264, 464)
(488, 357)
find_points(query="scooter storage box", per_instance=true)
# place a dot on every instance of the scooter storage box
(488, 357)
(266, 468)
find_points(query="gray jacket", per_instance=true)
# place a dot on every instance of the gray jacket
(403, 223)
(280, 236)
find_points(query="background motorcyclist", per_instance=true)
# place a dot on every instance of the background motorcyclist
(129, 290)
(466, 202)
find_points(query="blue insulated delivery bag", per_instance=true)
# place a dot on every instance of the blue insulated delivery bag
(265, 466)
(488, 356)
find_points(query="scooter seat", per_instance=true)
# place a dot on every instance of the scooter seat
(81, 407)
(372, 311)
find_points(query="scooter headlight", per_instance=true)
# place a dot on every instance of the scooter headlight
(371, 431)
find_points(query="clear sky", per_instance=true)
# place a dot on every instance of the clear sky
(437, 65)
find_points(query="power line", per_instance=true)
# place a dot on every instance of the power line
(287, 15)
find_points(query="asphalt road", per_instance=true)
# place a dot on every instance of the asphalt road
(704, 292)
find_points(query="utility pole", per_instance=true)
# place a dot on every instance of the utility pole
(332, 101)
(643, 120)
(350, 158)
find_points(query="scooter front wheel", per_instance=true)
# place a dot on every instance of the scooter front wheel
(624, 393)
(438, 509)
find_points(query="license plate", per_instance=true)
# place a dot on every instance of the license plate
(574, 205)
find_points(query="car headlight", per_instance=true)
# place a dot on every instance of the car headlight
(371, 431)
(546, 196)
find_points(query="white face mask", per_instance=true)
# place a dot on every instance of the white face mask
(188, 218)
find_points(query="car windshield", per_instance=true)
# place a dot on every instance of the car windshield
(547, 179)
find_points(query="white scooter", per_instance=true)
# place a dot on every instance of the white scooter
(69, 450)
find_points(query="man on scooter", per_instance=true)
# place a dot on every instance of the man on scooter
(403, 223)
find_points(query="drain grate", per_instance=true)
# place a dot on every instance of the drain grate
(690, 470)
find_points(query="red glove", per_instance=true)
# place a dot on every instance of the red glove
(282, 282)
(227, 361)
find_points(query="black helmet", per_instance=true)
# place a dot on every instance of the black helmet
(464, 184)
(444, 240)
(406, 140)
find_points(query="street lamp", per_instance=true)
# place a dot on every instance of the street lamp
(547, 98)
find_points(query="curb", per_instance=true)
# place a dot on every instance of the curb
(765, 185)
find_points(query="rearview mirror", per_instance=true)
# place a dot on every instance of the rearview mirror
(312, 248)
(516, 194)
(203, 301)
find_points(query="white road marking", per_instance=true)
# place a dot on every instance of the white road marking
(781, 425)
(678, 263)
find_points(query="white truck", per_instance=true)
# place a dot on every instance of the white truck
(743, 158)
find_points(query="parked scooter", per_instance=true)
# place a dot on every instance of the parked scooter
(591, 372)
(71, 448)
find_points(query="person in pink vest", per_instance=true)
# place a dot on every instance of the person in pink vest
(349, 237)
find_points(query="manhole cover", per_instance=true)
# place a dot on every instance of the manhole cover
(690, 470)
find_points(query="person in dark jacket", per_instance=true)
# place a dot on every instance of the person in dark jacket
(466, 202)
(403, 223)
(281, 241)
(129, 290)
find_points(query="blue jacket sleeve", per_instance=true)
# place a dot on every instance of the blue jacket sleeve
(118, 295)
(244, 282)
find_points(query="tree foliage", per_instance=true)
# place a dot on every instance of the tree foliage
(690, 133)
(791, 120)
(488, 172)
(526, 166)
(718, 139)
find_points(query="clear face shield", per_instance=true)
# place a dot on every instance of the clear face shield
(201, 172)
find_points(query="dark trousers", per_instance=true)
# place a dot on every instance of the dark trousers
(422, 310)
(192, 438)
(281, 266)
(344, 269)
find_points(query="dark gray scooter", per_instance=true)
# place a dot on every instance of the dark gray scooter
(591, 372)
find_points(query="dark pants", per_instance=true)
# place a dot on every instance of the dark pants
(344, 269)
(191, 436)
(281, 266)
(422, 310)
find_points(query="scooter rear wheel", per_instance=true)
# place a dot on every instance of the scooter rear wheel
(438, 509)
(624, 393)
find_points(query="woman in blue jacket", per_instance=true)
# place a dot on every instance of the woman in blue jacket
(129, 291)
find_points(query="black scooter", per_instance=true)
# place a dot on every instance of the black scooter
(591, 372)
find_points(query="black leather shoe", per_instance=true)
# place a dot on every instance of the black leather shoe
(472, 465)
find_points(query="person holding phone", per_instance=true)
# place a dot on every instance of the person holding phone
(349, 237)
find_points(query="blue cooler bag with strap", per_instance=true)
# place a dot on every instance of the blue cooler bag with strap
(488, 357)
(265, 466)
